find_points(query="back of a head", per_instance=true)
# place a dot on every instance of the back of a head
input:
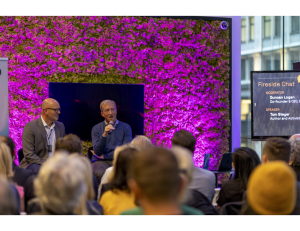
(272, 189)
(59, 185)
(8, 203)
(244, 160)
(142, 141)
(185, 139)
(185, 161)
(123, 162)
(5, 161)
(84, 166)
(295, 152)
(70, 143)
(156, 172)
(10, 143)
(277, 149)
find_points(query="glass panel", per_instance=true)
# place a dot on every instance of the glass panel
(243, 30)
(277, 26)
(263, 53)
(251, 28)
(291, 41)
(267, 26)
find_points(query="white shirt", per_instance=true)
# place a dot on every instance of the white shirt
(50, 131)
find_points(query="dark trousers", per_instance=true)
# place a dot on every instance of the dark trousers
(99, 167)
(35, 168)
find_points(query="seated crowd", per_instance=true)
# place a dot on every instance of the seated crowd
(148, 180)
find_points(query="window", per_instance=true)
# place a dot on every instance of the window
(243, 30)
(251, 28)
(277, 26)
(295, 24)
(294, 57)
(277, 62)
(267, 26)
(243, 69)
(251, 65)
(267, 64)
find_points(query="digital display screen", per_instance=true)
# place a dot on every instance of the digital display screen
(275, 102)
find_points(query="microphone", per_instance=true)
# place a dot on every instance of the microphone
(112, 123)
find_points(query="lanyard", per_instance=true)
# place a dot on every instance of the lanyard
(48, 137)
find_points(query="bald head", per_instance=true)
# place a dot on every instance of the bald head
(49, 112)
(49, 103)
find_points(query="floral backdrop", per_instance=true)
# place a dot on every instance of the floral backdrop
(184, 65)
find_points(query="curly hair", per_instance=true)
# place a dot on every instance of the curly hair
(295, 152)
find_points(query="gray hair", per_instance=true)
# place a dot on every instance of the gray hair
(142, 142)
(106, 102)
(295, 151)
(8, 203)
(59, 186)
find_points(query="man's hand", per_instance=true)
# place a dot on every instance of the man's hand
(107, 129)
(100, 157)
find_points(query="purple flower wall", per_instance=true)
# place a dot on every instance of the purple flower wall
(184, 65)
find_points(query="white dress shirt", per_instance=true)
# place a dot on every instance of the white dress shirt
(50, 131)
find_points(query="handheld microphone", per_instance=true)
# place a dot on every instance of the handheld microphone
(112, 123)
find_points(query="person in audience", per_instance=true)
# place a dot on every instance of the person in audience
(155, 179)
(203, 180)
(119, 197)
(278, 149)
(89, 206)
(59, 186)
(244, 160)
(70, 143)
(108, 175)
(20, 175)
(271, 190)
(106, 136)
(295, 155)
(191, 197)
(39, 136)
(6, 171)
(8, 203)
(143, 142)
(139, 142)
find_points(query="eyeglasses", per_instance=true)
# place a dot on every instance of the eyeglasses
(54, 109)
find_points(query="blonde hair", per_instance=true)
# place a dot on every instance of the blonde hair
(59, 185)
(142, 141)
(116, 153)
(5, 161)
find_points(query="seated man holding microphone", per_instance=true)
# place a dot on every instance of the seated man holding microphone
(106, 136)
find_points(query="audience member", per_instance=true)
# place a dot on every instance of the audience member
(106, 136)
(191, 197)
(59, 186)
(8, 203)
(139, 143)
(70, 143)
(203, 180)
(39, 136)
(119, 197)
(6, 172)
(20, 175)
(155, 180)
(143, 142)
(271, 190)
(108, 175)
(295, 156)
(244, 160)
(89, 205)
